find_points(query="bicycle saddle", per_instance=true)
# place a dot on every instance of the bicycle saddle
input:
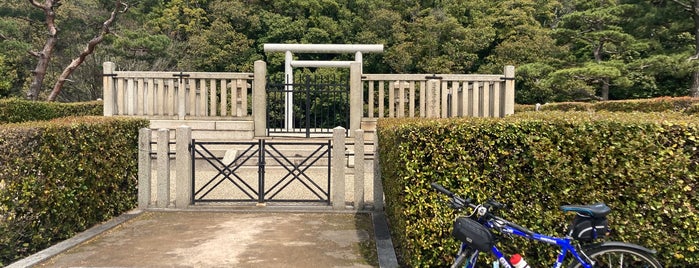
(598, 210)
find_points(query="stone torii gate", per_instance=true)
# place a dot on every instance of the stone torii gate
(290, 63)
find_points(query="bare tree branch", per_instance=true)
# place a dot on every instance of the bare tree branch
(686, 6)
(36, 4)
(87, 51)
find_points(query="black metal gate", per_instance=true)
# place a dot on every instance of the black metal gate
(318, 104)
(262, 171)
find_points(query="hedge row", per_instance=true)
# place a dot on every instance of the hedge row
(61, 177)
(644, 166)
(18, 110)
(685, 105)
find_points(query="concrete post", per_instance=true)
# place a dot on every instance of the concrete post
(497, 100)
(509, 89)
(378, 187)
(289, 88)
(338, 168)
(358, 169)
(108, 69)
(181, 99)
(144, 167)
(163, 191)
(183, 165)
(356, 107)
(476, 104)
(359, 59)
(433, 99)
(259, 99)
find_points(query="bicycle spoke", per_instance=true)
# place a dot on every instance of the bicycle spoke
(621, 258)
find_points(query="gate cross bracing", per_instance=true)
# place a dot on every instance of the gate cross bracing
(261, 171)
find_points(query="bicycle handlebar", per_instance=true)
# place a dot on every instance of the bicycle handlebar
(441, 189)
(459, 203)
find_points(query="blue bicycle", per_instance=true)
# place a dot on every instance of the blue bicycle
(479, 232)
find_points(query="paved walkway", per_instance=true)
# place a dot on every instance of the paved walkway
(252, 238)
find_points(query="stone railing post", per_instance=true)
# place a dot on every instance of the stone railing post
(378, 187)
(433, 102)
(183, 163)
(356, 107)
(358, 169)
(144, 168)
(509, 90)
(108, 70)
(338, 168)
(163, 188)
(181, 99)
(259, 99)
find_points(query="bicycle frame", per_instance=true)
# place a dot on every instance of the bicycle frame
(564, 243)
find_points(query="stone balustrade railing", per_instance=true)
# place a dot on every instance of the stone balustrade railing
(232, 96)
(439, 95)
(176, 95)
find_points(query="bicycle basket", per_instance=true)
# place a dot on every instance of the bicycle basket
(586, 228)
(473, 234)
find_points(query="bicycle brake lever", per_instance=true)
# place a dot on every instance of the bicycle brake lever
(454, 204)
(496, 204)
(458, 203)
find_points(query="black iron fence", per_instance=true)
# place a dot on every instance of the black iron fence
(318, 103)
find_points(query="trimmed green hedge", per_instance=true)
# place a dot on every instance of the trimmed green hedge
(61, 177)
(644, 166)
(686, 105)
(18, 110)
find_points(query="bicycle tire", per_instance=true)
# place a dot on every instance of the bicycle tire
(620, 255)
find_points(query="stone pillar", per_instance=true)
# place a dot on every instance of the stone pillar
(259, 99)
(498, 100)
(181, 99)
(378, 187)
(476, 104)
(356, 107)
(163, 188)
(338, 168)
(433, 96)
(183, 165)
(509, 89)
(289, 88)
(144, 167)
(358, 169)
(108, 69)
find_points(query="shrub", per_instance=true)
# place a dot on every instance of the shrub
(664, 104)
(643, 166)
(18, 110)
(63, 176)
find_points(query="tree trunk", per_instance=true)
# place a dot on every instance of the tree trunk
(694, 90)
(88, 50)
(605, 89)
(44, 55)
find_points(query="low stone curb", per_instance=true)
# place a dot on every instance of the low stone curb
(67, 244)
(384, 246)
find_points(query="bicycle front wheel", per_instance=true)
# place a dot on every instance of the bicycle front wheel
(620, 255)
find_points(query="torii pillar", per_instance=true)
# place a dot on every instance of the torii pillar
(290, 63)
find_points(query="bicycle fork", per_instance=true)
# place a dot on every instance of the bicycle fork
(465, 252)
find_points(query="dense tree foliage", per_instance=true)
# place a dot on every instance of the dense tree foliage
(563, 49)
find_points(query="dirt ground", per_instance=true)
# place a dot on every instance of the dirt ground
(230, 239)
